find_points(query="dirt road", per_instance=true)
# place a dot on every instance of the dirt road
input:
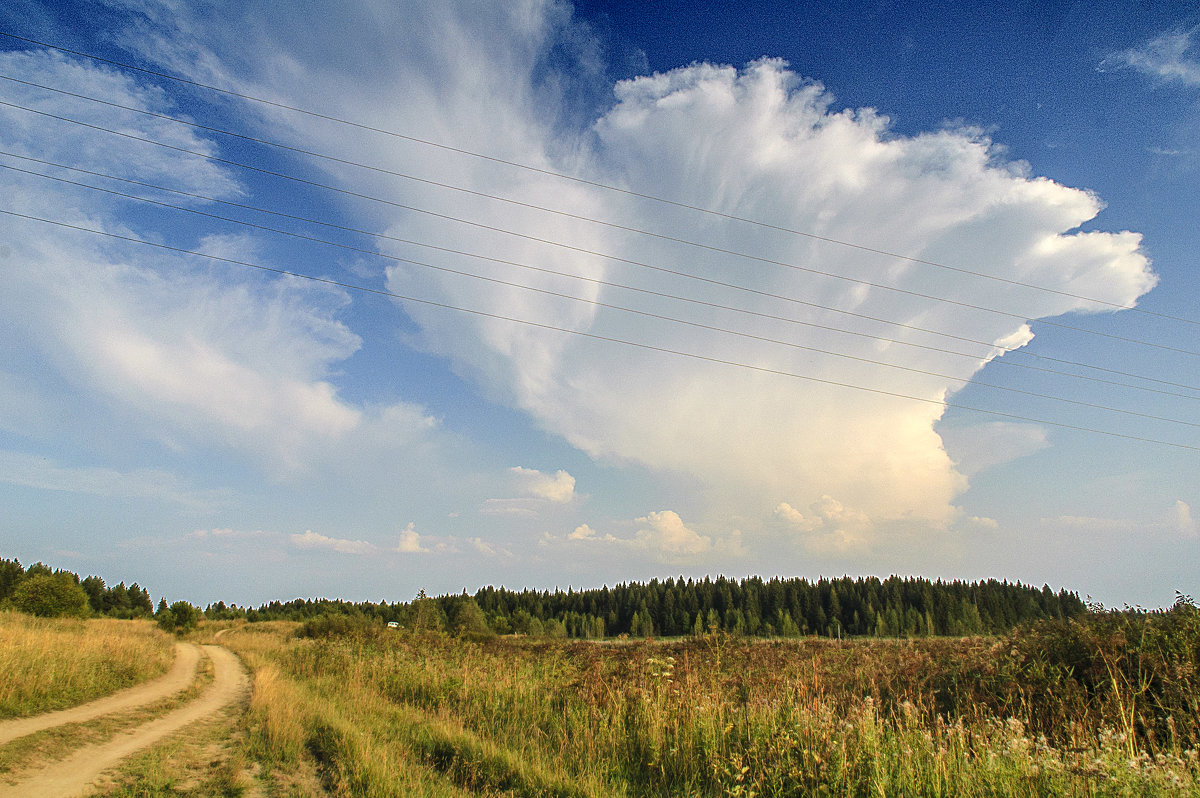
(183, 671)
(72, 776)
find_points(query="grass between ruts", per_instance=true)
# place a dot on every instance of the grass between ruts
(50, 664)
(395, 713)
(206, 760)
(42, 749)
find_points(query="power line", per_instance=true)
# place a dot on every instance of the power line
(575, 216)
(611, 306)
(561, 175)
(635, 288)
(523, 265)
(583, 250)
(609, 339)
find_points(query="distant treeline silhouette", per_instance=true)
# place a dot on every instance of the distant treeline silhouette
(892, 607)
(866, 606)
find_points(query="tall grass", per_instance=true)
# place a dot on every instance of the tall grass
(717, 716)
(320, 733)
(48, 664)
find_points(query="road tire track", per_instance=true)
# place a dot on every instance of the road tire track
(181, 674)
(75, 774)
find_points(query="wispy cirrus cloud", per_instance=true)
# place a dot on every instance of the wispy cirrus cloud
(31, 471)
(1175, 522)
(1172, 56)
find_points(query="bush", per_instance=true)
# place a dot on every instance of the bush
(339, 625)
(469, 620)
(50, 595)
(1136, 671)
(180, 617)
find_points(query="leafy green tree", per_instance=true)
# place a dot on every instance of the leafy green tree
(429, 616)
(11, 573)
(51, 595)
(469, 620)
(535, 628)
(185, 615)
(95, 589)
(500, 625)
(164, 617)
(39, 568)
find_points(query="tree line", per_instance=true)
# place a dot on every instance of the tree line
(866, 606)
(40, 590)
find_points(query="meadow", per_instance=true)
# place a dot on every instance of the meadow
(51, 664)
(1102, 706)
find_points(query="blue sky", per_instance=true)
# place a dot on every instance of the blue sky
(639, 388)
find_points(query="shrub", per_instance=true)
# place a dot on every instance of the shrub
(180, 617)
(50, 595)
(339, 625)
(1136, 671)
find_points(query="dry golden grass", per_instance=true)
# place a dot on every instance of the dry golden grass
(25, 755)
(319, 734)
(50, 664)
(390, 714)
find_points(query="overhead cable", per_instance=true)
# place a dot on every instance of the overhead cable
(589, 219)
(642, 313)
(543, 270)
(576, 179)
(609, 339)
(569, 247)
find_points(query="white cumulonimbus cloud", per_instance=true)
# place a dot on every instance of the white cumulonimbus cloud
(1182, 521)
(828, 527)
(665, 533)
(759, 142)
(410, 541)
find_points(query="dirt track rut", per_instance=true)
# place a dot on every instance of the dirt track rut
(75, 774)
(183, 671)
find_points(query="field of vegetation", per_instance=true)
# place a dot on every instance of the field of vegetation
(1104, 705)
(755, 688)
(52, 664)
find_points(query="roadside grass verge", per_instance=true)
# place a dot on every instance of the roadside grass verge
(51, 664)
(1104, 707)
(313, 734)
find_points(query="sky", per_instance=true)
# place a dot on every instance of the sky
(403, 295)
